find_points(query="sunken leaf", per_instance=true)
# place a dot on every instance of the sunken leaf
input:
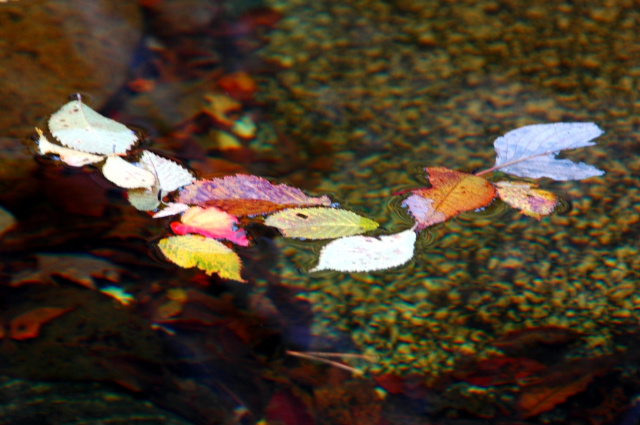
(212, 223)
(126, 175)
(207, 254)
(529, 200)
(451, 193)
(70, 157)
(246, 195)
(79, 127)
(319, 223)
(530, 151)
(365, 253)
(170, 175)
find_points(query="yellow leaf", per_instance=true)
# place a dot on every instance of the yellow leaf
(319, 223)
(530, 201)
(204, 253)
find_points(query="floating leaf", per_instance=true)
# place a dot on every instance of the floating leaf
(79, 127)
(204, 253)
(70, 157)
(524, 196)
(212, 223)
(126, 175)
(243, 195)
(170, 175)
(28, 324)
(319, 223)
(171, 208)
(143, 199)
(451, 193)
(365, 253)
(530, 151)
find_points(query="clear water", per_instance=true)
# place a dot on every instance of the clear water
(499, 317)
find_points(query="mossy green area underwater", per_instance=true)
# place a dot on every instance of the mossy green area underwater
(498, 317)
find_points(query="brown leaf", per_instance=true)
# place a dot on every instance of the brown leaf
(28, 324)
(246, 195)
(541, 398)
(81, 269)
(451, 193)
(524, 340)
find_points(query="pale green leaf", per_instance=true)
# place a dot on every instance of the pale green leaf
(143, 199)
(319, 223)
(79, 127)
(207, 254)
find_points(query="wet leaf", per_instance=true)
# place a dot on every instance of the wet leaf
(525, 197)
(79, 127)
(143, 199)
(79, 268)
(499, 370)
(204, 253)
(319, 223)
(530, 151)
(523, 341)
(451, 193)
(541, 398)
(212, 223)
(169, 174)
(243, 195)
(7, 221)
(70, 157)
(126, 175)
(365, 253)
(28, 324)
(171, 208)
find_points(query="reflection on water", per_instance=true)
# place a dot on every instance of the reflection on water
(499, 317)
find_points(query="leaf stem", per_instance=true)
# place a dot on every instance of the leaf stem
(325, 361)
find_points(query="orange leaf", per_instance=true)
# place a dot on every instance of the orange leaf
(28, 324)
(451, 193)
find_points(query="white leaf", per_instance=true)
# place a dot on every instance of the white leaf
(70, 157)
(366, 253)
(172, 208)
(126, 175)
(170, 174)
(530, 151)
(81, 128)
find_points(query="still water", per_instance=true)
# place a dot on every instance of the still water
(498, 318)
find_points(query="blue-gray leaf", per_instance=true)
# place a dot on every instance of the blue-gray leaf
(530, 151)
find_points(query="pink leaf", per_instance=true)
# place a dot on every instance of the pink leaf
(212, 223)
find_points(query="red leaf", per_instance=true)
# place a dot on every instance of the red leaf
(246, 195)
(28, 324)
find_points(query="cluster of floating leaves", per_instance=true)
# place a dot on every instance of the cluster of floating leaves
(210, 208)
